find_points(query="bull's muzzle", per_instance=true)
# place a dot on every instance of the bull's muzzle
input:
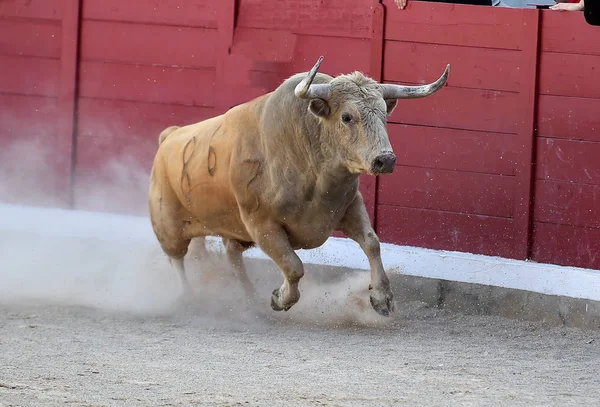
(384, 164)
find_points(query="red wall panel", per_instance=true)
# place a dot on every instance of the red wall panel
(33, 158)
(567, 203)
(459, 108)
(568, 117)
(479, 68)
(566, 245)
(29, 76)
(464, 153)
(566, 219)
(30, 38)
(449, 24)
(148, 44)
(446, 230)
(34, 9)
(454, 149)
(449, 191)
(158, 84)
(189, 13)
(568, 160)
(351, 18)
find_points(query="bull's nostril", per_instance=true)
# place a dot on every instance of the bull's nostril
(384, 163)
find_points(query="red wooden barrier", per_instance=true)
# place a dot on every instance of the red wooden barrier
(502, 161)
(566, 215)
(463, 180)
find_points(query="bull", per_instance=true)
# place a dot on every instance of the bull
(280, 172)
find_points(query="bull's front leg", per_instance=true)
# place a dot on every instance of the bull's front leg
(357, 226)
(273, 240)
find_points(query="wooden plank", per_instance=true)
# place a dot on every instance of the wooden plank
(186, 86)
(454, 24)
(480, 68)
(119, 119)
(30, 38)
(27, 116)
(27, 168)
(350, 18)
(567, 203)
(459, 108)
(570, 118)
(567, 160)
(95, 153)
(449, 191)
(341, 55)
(123, 183)
(118, 167)
(563, 32)
(29, 76)
(461, 150)
(29, 154)
(148, 44)
(566, 245)
(42, 9)
(264, 45)
(569, 75)
(446, 231)
(189, 13)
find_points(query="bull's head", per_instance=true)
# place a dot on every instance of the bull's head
(354, 108)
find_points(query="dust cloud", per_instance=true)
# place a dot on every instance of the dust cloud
(99, 258)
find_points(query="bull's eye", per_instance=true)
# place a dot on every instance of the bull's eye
(346, 118)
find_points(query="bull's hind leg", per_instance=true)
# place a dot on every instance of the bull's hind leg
(357, 226)
(186, 288)
(234, 250)
(164, 215)
(273, 240)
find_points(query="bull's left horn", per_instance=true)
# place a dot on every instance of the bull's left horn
(305, 89)
(391, 91)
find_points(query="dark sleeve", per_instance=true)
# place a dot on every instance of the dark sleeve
(591, 11)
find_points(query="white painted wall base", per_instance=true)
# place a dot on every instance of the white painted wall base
(463, 267)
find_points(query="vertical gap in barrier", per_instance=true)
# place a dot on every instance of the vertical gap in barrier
(524, 189)
(376, 72)
(227, 14)
(67, 101)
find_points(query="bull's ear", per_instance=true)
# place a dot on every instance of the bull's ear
(391, 105)
(319, 108)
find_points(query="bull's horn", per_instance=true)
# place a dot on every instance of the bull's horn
(304, 90)
(391, 91)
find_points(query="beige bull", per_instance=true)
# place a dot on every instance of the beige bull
(280, 172)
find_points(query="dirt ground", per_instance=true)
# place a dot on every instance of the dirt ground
(95, 324)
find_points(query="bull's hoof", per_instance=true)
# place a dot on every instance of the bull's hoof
(276, 302)
(383, 304)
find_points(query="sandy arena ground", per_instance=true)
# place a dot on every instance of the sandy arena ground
(91, 323)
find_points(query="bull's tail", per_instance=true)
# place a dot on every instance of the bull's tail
(165, 133)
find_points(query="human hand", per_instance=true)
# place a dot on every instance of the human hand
(568, 6)
(400, 3)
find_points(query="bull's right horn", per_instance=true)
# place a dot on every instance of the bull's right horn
(392, 91)
(305, 89)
